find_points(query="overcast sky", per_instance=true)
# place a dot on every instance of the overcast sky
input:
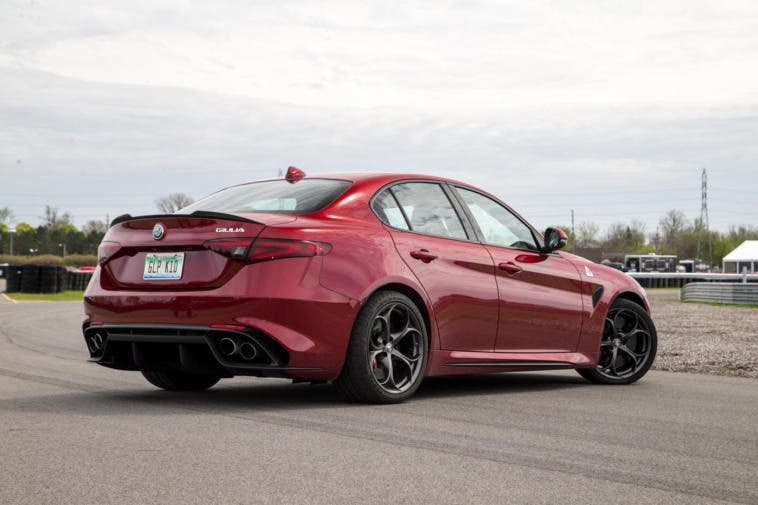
(609, 108)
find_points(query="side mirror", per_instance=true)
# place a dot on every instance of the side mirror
(555, 239)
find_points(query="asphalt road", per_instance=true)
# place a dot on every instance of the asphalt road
(73, 432)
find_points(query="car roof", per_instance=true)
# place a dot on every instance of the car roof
(372, 180)
(390, 176)
(382, 178)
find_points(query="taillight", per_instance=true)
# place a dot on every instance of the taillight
(265, 249)
(235, 248)
(106, 250)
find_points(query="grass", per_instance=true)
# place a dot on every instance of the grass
(63, 296)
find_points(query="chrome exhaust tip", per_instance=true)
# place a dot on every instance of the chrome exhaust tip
(95, 343)
(248, 351)
(227, 346)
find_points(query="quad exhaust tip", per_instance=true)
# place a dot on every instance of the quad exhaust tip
(247, 351)
(228, 346)
(95, 343)
(231, 347)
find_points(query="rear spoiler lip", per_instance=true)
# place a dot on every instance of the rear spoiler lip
(198, 213)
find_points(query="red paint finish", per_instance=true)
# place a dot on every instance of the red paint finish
(540, 302)
(300, 280)
(460, 282)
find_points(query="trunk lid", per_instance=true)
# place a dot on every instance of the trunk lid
(180, 236)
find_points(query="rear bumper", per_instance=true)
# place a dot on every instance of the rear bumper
(194, 349)
(306, 326)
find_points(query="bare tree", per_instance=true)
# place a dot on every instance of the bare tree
(586, 234)
(622, 237)
(6, 215)
(95, 226)
(672, 225)
(173, 202)
(673, 222)
(53, 219)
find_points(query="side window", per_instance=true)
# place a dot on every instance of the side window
(498, 225)
(429, 210)
(385, 206)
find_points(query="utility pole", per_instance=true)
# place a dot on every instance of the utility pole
(657, 238)
(573, 232)
(702, 248)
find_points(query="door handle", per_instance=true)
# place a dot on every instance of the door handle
(423, 255)
(510, 267)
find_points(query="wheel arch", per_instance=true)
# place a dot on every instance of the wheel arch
(632, 297)
(415, 297)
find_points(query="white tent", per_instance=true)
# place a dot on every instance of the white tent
(744, 257)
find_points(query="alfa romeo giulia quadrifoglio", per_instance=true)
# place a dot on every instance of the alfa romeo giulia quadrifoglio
(368, 281)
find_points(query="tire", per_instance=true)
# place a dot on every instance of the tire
(635, 346)
(389, 334)
(30, 279)
(13, 283)
(180, 381)
(48, 279)
(60, 276)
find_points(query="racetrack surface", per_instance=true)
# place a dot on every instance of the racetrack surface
(73, 432)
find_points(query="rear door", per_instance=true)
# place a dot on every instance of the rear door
(457, 273)
(540, 294)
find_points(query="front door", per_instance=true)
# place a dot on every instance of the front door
(540, 294)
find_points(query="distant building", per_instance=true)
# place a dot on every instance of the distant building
(697, 265)
(650, 262)
(743, 258)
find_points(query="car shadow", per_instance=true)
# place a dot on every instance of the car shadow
(506, 383)
(273, 395)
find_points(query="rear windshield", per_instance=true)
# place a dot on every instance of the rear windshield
(301, 197)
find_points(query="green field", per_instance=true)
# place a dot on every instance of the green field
(63, 296)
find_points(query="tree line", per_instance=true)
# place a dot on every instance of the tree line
(57, 235)
(675, 234)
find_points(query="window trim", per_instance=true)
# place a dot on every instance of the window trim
(538, 239)
(468, 230)
(374, 198)
(468, 223)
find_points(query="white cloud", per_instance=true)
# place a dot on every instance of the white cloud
(454, 55)
(607, 108)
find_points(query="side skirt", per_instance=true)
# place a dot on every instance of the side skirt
(442, 362)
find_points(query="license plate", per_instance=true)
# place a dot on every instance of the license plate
(163, 266)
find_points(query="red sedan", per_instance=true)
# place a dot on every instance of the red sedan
(370, 281)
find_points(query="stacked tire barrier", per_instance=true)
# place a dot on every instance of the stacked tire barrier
(723, 292)
(61, 276)
(48, 279)
(30, 279)
(77, 281)
(45, 279)
(13, 280)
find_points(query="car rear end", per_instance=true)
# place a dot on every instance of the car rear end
(225, 287)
